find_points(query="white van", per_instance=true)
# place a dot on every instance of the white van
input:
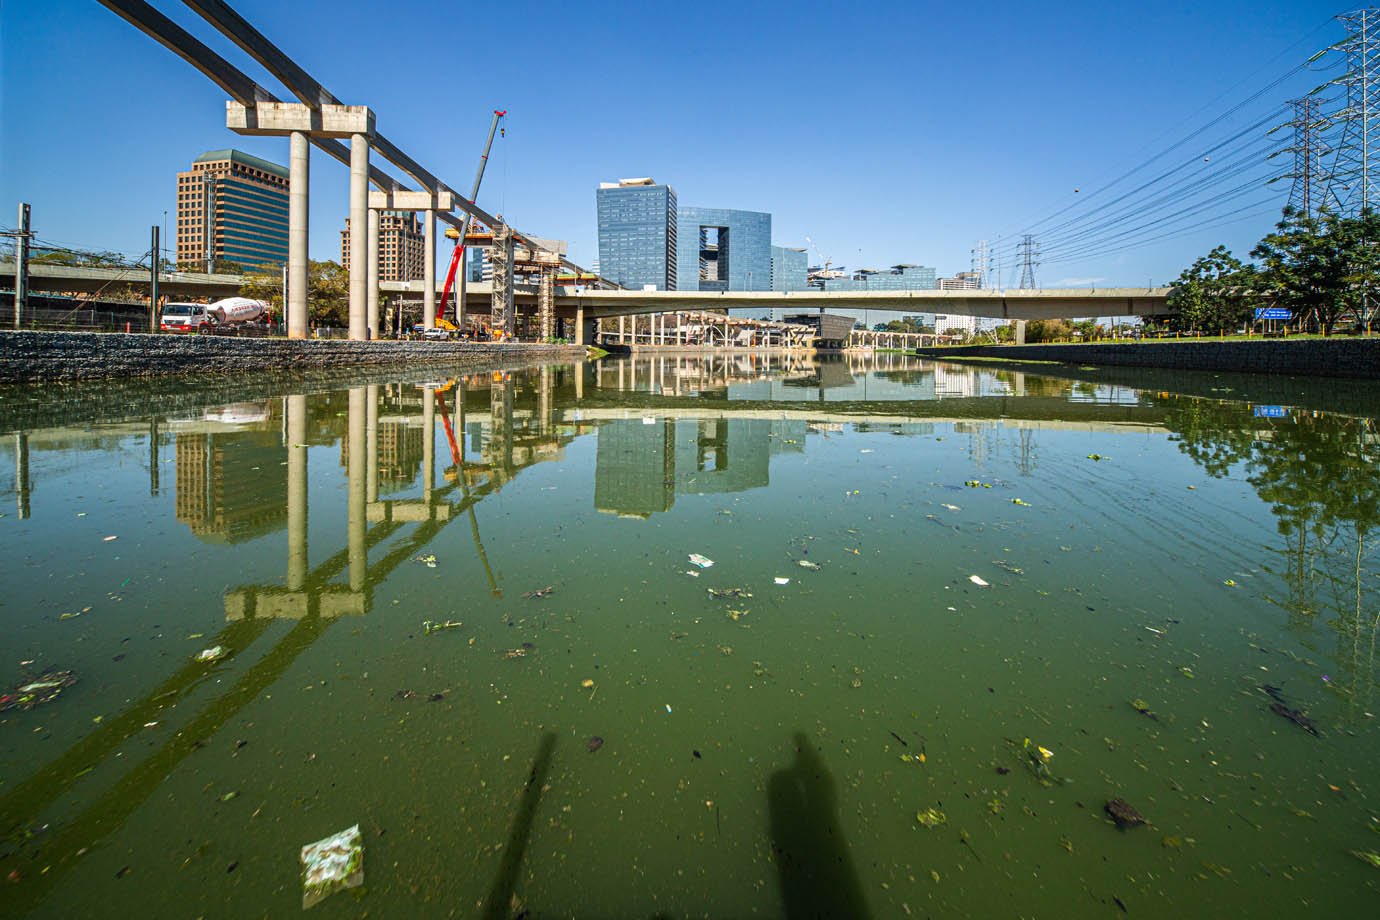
(184, 317)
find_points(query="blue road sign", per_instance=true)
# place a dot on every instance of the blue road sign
(1271, 412)
(1273, 313)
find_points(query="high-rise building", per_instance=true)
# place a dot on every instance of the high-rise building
(789, 269)
(637, 233)
(402, 246)
(232, 208)
(723, 250)
(963, 281)
(903, 277)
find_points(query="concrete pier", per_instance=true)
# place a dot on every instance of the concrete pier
(359, 205)
(299, 180)
(429, 270)
(371, 298)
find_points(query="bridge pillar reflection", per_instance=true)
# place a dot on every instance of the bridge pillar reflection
(295, 411)
(357, 522)
(428, 441)
(371, 436)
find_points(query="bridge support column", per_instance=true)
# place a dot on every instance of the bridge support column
(299, 178)
(429, 269)
(371, 299)
(1020, 332)
(501, 306)
(359, 205)
(546, 304)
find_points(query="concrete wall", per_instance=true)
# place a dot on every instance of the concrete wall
(1336, 357)
(30, 357)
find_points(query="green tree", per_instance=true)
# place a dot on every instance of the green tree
(1215, 293)
(1321, 268)
(1047, 330)
(328, 292)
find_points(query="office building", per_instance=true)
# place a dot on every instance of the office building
(232, 210)
(637, 234)
(402, 246)
(963, 281)
(903, 277)
(722, 249)
(789, 269)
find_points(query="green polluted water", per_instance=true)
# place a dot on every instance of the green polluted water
(960, 624)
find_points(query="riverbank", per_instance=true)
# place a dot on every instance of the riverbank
(41, 357)
(1334, 357)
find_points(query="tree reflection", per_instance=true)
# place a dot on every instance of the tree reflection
(1320, 474)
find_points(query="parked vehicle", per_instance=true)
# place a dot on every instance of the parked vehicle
(225, 315)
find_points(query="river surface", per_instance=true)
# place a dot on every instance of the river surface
(953, 612)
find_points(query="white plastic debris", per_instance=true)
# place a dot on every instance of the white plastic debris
(703, 562)
(977, 580)
(807, 564)
(783, 581)
(214, 653)
(331, 865)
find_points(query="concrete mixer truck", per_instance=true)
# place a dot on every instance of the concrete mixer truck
(224, 316)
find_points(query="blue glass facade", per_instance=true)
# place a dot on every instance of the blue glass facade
(789, 269)
(897, 278)
(637, 234)
(724, 250)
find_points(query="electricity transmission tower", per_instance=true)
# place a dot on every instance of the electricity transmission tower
(1350, 182)
(1030, 258)
(982, 265)
(1306, 195)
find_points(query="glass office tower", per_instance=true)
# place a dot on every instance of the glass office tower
(789, 269)
(637, 234)
(724, 250)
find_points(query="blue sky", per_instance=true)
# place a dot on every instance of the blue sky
(883, 132)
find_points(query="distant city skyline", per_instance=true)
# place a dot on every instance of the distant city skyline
(1011, 114)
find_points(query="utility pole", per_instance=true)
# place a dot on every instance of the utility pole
(21, 265)
(1030, 255)
(153, 282)
(1307, 148)
(1349, 180)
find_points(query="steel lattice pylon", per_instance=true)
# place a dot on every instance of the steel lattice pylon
(1306, 195)
(1030, 255)
(1351, 184)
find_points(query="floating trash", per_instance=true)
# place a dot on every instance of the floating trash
(33, 693)
(950, 507)
(212, 654)
(332, 865)
(728, 592)
(1021, 502)
(782, 581)
(539, 593)
(587, 683)
(703, 562)
(432, 626)
(427, 559)
(594, 743)
(931, 817)
(1123, 813)
(977, 580)
(807, 564)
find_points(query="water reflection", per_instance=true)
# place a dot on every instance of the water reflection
(397, 463)
(1320, 474)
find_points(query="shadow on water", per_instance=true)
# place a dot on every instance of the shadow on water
(499, 904)
(812, 859)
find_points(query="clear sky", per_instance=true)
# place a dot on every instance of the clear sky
(883, 132)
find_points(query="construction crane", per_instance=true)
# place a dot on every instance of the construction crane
(458, 255)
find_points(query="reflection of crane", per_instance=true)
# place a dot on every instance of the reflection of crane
(458, 255)
(457, 471)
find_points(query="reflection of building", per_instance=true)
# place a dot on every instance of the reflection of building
(232, 207)
(721, 249)
(400, 454)
(642, 464)
(637, 233)
(232, 486)
(635, 467)
(402, 246)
